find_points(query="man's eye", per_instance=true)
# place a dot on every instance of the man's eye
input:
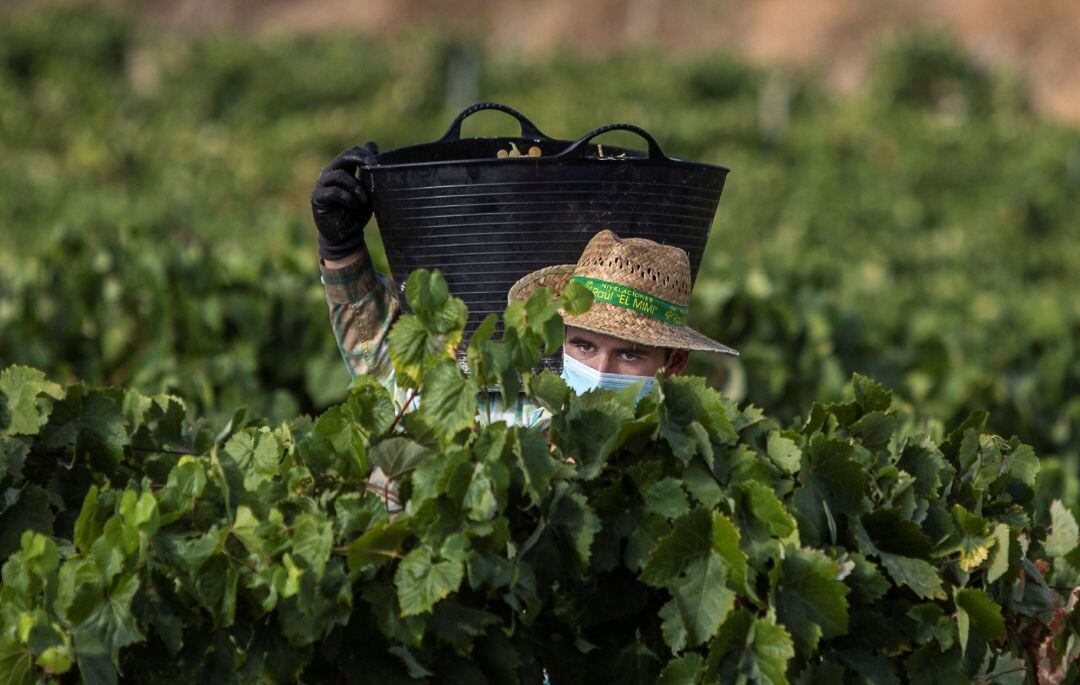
(630, 357)
(584, 347)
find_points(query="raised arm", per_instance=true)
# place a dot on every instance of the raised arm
(363, 303)
(362, 309)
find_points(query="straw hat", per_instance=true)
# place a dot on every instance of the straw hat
(641, 288)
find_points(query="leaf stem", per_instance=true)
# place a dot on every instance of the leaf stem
(165, 450)
(404, 408)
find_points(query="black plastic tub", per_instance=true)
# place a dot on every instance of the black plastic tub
(485, 222)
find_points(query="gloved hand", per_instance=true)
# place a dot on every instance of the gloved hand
(339, 204)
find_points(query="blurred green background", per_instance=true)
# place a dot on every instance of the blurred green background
(921, 229)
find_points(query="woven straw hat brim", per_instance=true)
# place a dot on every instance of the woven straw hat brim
(616, 321)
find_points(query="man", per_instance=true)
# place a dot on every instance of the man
(635, 328)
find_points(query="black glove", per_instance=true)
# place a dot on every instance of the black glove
(340, 205)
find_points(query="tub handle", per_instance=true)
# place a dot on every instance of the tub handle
(581, 145)
(528, 128)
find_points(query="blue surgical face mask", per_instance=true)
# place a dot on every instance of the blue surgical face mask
(583, 378)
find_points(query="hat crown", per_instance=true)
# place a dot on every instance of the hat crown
(662, 271)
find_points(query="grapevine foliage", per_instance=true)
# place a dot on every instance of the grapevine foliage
(681, 539)
(921, 229)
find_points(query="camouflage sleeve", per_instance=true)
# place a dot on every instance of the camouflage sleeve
(363, 305)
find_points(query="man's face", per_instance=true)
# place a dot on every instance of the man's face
(612, 355)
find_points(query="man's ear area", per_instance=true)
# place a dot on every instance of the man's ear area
(676, 362)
